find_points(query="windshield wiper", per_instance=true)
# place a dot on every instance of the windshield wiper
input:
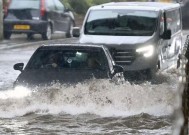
(122, 28)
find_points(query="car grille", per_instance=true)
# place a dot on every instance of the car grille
(123, 57)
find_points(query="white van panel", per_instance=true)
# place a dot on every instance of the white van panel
(117, 40)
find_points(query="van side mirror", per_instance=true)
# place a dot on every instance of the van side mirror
(19, 66)
(118, 69)
(167, 34)
(76, 32)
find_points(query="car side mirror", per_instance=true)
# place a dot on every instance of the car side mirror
(76, 32)
(167, 34)
(67, 10)
(19, 66)
(118, 69)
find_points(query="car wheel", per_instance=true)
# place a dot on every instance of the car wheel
(30, 36)
(48, 34)
(69, 33)
(7, 35)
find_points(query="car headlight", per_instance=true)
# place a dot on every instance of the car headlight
(147, 51)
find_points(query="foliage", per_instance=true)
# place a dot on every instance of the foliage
(81, 6)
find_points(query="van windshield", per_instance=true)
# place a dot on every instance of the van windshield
(25, 4)
(121, 22)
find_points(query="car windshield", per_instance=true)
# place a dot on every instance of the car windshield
(121, 22)
(68, 59)
(24, 4)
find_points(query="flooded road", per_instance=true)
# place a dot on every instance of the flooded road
(97, 107)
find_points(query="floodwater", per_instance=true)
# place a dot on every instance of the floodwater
(95, 108)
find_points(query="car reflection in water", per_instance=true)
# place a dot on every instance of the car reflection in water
(68, 64)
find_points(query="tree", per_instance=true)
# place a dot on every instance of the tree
(79, 6)
(97, 2)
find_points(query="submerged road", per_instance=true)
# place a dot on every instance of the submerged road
(98, 107)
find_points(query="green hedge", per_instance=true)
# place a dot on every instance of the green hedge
(81, 6)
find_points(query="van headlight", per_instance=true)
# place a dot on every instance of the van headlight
(147, 51)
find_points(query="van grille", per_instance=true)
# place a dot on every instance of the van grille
(123, 57)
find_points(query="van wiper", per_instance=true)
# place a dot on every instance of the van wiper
(122, 28)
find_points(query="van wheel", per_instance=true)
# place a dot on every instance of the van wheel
(48, 34)
(7, 35)
(151, 73)
(69, 33)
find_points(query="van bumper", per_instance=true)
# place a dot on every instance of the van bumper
(130, 60)
(142, 63)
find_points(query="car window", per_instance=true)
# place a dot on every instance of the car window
(162, 24)
(59, 6)
(24, 4)
(173, 20)
(70, 59)
(50, 5)
(121, 22)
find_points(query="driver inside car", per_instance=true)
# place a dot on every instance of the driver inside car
(93, 63)
(54, 61)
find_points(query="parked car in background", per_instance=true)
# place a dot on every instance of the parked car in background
(67, 64)
(37, 17)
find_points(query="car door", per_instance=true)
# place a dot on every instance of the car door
(61, 18)
(174, 23)
(162, 44)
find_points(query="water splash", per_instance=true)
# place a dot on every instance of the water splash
(99, 97)
(18, 92)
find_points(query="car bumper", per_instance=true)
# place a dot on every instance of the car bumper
(34, 26)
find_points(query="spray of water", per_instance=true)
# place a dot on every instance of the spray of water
(99, 97)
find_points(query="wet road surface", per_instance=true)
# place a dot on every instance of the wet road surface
(98, 107)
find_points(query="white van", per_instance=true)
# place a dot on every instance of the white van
(142, 36)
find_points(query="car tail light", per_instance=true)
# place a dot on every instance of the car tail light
(43, 10)
(5, 7)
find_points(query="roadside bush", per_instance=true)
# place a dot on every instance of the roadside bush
(97, 2)
(81, 6)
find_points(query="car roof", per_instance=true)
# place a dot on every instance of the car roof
(151, 6)
(72, 45)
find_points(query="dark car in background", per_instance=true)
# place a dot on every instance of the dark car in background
(67, 64)
(37, 17)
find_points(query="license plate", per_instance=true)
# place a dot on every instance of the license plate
(21, 27)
